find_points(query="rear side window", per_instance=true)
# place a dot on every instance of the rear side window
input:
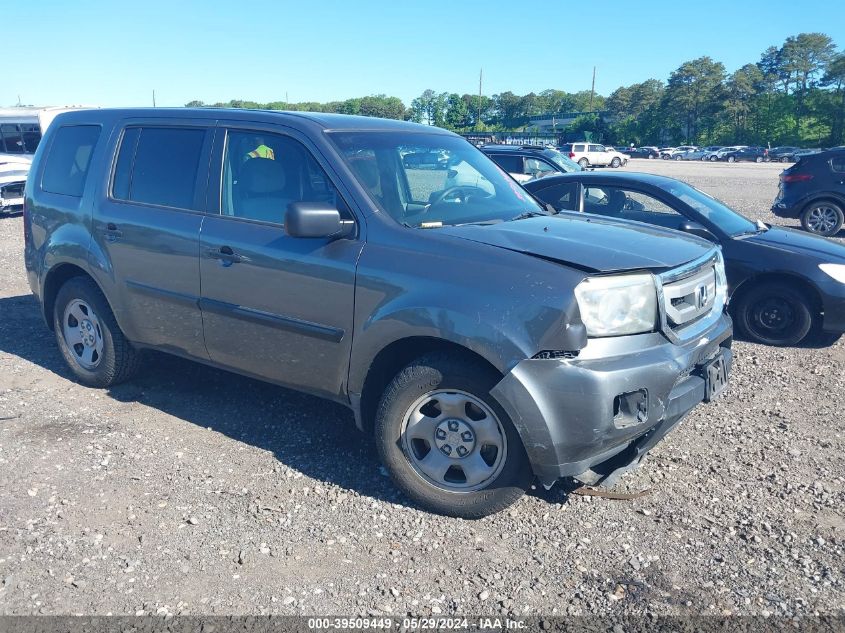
(67, 164)
(510, 163)
(838, 164)
(159, 166)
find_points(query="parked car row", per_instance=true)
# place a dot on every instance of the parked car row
(730, 154)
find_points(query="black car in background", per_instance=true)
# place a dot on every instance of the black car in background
(783, 154)
(813, 189)
(641, 152)
(785, 286)
(747, 154)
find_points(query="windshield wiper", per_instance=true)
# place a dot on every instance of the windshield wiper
(530, 214)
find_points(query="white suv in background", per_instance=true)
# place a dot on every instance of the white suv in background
(594, 155)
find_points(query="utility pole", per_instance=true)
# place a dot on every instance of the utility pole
(286, 97)
(19, 101)
(154, 98)
(593, 89)
(478, 116)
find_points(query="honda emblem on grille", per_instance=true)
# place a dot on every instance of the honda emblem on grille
(701, 296)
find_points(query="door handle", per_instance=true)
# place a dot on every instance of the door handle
(226, 255)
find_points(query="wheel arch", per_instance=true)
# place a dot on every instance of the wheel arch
(794, 281)
(55, 278)
(391, 359)
(824, 197)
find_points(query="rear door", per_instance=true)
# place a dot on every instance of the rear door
(275, 306)
(147, 229)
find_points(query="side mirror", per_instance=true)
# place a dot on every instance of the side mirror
(316, 219)
(694, 228)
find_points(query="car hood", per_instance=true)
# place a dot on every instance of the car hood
(589, 242)
(800, 243)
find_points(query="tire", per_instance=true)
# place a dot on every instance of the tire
(650, 157)
(783, 159)
(713, 159)
(584, 163)
(664, 156)
(731, 159)
(822, 218)
(774, 314)
(759, 159)
(615, 162)
(94, 348)
(427, 390)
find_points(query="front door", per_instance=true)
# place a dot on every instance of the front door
(275, 306)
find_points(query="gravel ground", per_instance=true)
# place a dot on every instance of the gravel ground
(192, 490)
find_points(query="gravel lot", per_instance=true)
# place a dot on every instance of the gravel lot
(192, 490)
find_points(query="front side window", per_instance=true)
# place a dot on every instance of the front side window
(263, 173)
(464, 187)
(31, 135)
(159, 166)
(712, 210)
(66, 165)
(537, 168)
(596, 148)
(623, 203)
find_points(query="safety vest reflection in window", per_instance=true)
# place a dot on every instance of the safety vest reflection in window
(262, 151)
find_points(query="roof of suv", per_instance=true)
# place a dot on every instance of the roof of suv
(328, 121)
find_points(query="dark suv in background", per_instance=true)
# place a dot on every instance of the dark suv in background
(482, 341)
(529, 162)
(747, 154)
(813, 189)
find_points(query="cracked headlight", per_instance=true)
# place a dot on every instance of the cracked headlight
(618, 304)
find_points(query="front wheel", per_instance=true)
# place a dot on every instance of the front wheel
(679, 157)
(94, 348)
(822, 218)
(615, 162)
(447, 442)
(713, 159)
(650, 157)
(731, 159)
(774, 314)
(784, 159)
(759, 159)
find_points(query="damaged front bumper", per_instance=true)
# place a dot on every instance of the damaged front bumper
(596, 415)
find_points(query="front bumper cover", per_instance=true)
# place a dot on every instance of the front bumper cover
(611, 404)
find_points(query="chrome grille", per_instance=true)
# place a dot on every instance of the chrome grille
(690, 298)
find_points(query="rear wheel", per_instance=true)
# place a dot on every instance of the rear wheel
(784, 159)
(822, 218)
(445, 440)
(774, 314)
(95, 349)
(759, 159)
(713, 159)
(584, 163)
(650, 157)
(731, 159)
(615, 162)
(679, 157)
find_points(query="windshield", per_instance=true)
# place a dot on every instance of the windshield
(714, 211)
(564, 162)
(431, 180)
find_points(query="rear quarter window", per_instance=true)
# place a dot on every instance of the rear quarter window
(69, 158)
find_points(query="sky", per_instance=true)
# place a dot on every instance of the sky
(111, 53)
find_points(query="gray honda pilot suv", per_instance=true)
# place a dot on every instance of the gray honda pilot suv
(483, 341)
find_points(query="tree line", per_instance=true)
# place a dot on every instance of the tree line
(794, 94)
